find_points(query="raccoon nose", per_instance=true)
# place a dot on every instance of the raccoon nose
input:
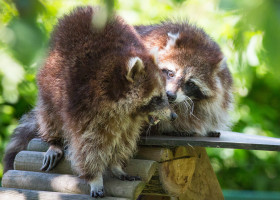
(171, 96)
(173, 116)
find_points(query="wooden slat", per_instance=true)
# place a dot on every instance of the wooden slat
(69, 184)
(32, 161)
(226, 140)
(22, 194)
(37, 144)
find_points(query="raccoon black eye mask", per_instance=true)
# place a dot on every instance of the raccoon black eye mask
(192, 90)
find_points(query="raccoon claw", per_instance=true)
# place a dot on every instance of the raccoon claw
(98, 193)
(213, 134)
(51, 158)
(129, 178)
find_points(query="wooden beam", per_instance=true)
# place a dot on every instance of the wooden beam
(226, 140)
(183, 172)
(21, 194)
(32, 161)
(69, 184)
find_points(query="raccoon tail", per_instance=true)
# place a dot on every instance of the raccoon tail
(26, 131)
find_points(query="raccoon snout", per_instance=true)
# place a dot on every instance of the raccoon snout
(173, 116)
(171, 96)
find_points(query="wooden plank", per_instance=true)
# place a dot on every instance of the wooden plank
(69, 184)
(226, 140)
(32, 161)
(22, 194)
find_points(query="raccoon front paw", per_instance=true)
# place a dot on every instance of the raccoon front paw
(51, 158)
(129, 178)
(96, 187)
(97, 193)
(213, 134)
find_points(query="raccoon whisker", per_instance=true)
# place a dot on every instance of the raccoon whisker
(192, 104)
(186, 108)
(195, 116)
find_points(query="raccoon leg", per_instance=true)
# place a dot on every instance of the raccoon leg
(124, 151)
(120, 174)
(96, 187)
(213, 134)
(52, 157)
(50, 131)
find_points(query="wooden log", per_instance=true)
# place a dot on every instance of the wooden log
(37, 144)
(22, 194)
(203, 184)
(69, 184)
(227, 139)
(32, 161)
(185, 173)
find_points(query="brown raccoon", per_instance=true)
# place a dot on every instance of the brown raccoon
(199, 83)
(96, 89)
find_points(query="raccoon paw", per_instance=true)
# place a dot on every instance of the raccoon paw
(51, 158)
(96, 187)
(213, 134)
(129, 178)
(97, 193)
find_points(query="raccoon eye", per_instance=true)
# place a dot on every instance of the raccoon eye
(171, 74)
(190, 84)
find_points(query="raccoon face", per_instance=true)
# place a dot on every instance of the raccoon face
(153, 104)
(158, 109)
(184, 85)
(191, 72)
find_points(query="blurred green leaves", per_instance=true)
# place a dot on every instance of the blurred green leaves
(247, 31)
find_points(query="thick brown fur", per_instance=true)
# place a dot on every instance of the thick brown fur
(89, 98)
(26, 131)
(187, 54)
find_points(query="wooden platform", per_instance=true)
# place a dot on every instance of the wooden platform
(170, 167)
(227, 139)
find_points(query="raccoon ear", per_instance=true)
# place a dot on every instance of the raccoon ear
(135, 66)
(154, 53)
(172, 38)
(222, 64)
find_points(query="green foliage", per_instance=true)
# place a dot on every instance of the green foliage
(247, 31)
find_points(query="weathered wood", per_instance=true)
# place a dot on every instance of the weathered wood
(226, 140)
(203, 184)
(22, 194)
(32, 161)
(37, 144)
(186, 173)
(155, 197)
(158, 154)
(69, 184)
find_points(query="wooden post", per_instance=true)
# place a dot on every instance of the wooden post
(184, 172)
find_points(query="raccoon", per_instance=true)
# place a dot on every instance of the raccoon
(198, 81)
(98, 87)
